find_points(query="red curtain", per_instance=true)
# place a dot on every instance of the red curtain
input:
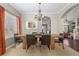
(2, 35)
(18, 24)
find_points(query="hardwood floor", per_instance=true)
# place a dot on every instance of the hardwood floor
(41, 51)
(74, 44)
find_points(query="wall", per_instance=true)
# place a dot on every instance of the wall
(60, 23)
(26, 17)
(54, 25)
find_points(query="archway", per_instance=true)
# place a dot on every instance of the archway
(46, 25)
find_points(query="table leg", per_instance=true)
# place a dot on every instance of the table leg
(52, 44)
(15, 44)
(37, 41)
(24, 43)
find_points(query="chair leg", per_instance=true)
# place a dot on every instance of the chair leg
(15, 45)
(26, 50)
(59, 44)
(50, 46)
(53, 46)
(63, 45)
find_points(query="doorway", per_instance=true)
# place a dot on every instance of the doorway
(46, 25)
(44, 28)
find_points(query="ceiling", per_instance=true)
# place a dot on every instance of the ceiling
(27, 8)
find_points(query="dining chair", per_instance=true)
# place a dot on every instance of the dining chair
(31, 40)
(17, 39)
(60, 40)
(45, 40)
(55, 38)
(52, 41)
(34, 33)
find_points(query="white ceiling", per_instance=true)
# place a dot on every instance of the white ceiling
(53, 8)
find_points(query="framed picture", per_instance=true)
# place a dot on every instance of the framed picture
(31, 24)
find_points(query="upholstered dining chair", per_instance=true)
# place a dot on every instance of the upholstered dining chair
(55, 38)
(60, 40)
(17, 39)
(52, 41)
(34, 33)
(31, 40)
(45, 40)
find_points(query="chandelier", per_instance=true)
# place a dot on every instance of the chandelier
(39, 15)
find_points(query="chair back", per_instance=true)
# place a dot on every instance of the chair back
(54, 36)
(34, 33)
(45, 40)
(16, 38)
(31, 39)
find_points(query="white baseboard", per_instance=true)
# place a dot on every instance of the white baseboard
(10, 46)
